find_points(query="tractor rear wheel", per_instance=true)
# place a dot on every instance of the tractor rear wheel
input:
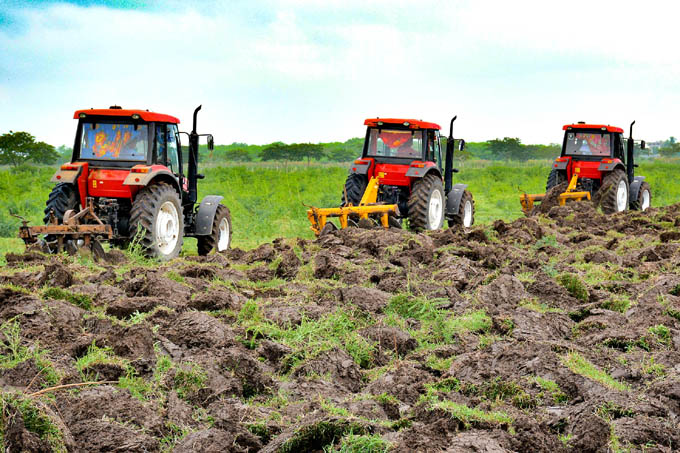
(426, 204)
(613, 195)
(644, 198)
(64, 197)
(554, 178)
(355, 186)
(466, 212)
(156, 221)
(219, 238)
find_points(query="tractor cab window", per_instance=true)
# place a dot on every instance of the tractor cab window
(587, 144)
(114, 141)
(436, 148)
(173, 151)
(395, 143)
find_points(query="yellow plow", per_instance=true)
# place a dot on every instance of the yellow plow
(368, 206)
(528, 200)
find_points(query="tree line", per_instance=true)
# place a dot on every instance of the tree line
(19, 148)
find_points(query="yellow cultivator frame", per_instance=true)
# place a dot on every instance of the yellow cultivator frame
(367, 206)
(528, 200)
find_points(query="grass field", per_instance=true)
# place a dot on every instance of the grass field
(267, 201)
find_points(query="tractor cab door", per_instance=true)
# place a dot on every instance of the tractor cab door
(619, 152)
(433, 153)
(167, 151)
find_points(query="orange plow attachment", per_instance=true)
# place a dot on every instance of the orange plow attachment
(368, 207)
(529, 200)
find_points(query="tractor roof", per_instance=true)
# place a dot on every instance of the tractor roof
(143, 114)
(413, 124)
(592, 126)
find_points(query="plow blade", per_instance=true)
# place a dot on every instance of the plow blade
(529, 200)
(319, 216)
(367, 208)
(71, 235)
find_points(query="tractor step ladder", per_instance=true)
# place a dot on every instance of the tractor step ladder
(368, 206)
(528, 200)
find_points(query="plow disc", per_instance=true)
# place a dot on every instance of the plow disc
(368, 208)
(73, 235)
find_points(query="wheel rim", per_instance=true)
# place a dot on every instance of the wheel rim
(646, 199)
(621, 196)
(223, 238)
(167, 228)
(434, 213)
(467, 214)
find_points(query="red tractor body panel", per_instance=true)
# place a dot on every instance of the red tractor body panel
(143, 114)
(108, 183)
(393, 174)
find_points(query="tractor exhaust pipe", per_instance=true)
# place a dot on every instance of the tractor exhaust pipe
(448, 165)
(193, 160)
(630, 148)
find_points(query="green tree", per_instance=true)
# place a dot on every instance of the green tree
(238, 155)
(508, 148)
(17, 148)
(670, 150)
(65, 153)
(276, 151)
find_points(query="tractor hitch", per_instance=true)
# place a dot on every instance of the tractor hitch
(529, 200)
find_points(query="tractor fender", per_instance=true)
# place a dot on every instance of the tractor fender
(359, 169)
(68, 173)
(561, 165)
(611, 166)
(420, 172)
(453, 198)
(634, 189)
(145, 179)
(206, 214)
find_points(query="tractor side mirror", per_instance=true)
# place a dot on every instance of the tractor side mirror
(461, 145)
(211, 143)
(643, 144)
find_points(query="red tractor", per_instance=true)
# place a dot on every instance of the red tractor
(127, 183)
(595, 165)
(401, 175)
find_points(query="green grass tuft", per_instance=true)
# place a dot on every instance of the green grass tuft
(580, 365)
(80, 300)
(574, 286)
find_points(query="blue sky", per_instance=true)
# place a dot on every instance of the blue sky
(303, 70)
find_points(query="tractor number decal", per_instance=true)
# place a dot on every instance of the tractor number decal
(114, 141)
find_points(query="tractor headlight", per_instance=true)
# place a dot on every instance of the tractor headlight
(135, 116)
(82, 115)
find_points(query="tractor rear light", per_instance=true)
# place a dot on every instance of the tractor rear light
(362, 162)
(140, 170)
(135, 116)
(67, 167)
(354, 168)
(58, 176)
(418, 165)
(136, 179)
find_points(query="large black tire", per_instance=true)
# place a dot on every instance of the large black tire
(611, 196)
(554, 178)
(644, 200)
(463, 218)
(64, 196)
(424, 211)
(152, 224)
(355, 186)
(219, 238)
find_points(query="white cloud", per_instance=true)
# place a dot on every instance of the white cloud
(303, 70)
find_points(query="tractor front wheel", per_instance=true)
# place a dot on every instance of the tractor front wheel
(614, 192)
(355, 186)
(219, 238)
(466, 212)
(426, 204)
(156, 221)
(644, 198)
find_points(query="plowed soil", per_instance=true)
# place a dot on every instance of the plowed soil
(559, 332)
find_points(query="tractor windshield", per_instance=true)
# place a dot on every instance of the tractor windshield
(587, 144)
(395, 143)
(114, 141)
